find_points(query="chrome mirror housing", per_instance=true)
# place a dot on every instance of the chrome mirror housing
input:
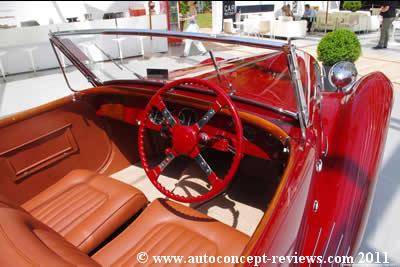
(343, 75)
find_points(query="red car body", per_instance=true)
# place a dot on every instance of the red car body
(321, 207)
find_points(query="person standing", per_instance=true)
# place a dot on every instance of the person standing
(289, 12)
(309, 15)
(192, 27)
(280, 12)
(388, 13)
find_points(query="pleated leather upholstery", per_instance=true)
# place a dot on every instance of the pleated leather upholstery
(85, 207)
(166, 228)
(24, 241)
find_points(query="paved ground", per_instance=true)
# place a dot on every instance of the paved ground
(382, 233)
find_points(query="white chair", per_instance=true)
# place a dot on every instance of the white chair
(228, 27)
(289, 29)
(366, 13)
(374, 23)
(350, 21)
(375, 11)
(396, 26)
(324, 23)
(285, 18)
(264, 26)
(30, 50)
(3, 72)
(268, 16)
(250, 26)
(360, 21)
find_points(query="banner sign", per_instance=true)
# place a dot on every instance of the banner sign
(228, 10)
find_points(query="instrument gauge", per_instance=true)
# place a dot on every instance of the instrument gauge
(249, 133)
(188, 117)
(156, 116)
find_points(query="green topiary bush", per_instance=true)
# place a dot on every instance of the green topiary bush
(339, 45)
(352, 5)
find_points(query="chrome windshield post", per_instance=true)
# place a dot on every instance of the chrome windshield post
(298, 88)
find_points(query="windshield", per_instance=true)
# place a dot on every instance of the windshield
(255, 73)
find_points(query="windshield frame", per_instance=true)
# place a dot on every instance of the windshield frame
(301, 115)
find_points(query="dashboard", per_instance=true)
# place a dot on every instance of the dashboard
(257, 142)
(186, 116)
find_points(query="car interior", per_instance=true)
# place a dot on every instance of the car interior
(89, 179)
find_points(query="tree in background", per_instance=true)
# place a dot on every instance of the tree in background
(207, 6)
(352, 5)
(183, 7)
(204, 6)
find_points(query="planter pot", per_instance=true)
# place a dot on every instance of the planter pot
(327, 84)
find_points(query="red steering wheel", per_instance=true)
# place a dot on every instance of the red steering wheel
(186, 139)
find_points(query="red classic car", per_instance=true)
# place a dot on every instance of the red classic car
(267, 165)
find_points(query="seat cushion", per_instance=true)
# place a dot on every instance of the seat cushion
(167, 228)
(85, 207)
(24, 241)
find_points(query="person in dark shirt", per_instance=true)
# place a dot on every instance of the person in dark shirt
(388, 13)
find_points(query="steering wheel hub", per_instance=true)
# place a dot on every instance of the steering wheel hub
(184, 139)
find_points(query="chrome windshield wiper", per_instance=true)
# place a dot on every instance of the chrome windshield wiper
(232, 90)
(121, 67)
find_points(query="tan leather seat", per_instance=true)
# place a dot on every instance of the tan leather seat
(164, 228)
(85, 207)
(168, 228)
(24, 241)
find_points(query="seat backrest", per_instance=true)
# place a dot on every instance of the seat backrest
(264, 26)
(228, 26)
(6, 203)
(285, 18)
(364, 13)
(24, 241)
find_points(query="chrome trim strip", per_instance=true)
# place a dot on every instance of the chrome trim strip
(291, 114)
(302, 110)
(327, 243)
(337, 249)
(62, 68)
(288, 113)
(164, 33)
(274, 45)
(347, 253)
(316, 244)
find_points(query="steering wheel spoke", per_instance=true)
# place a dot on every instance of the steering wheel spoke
(149, 124)
(160, 105)
(211, 176)
(216, 107)
(156, 171)
(168, 117)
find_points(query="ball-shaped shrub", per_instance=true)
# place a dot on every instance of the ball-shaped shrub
(339, 45)
(352, 5)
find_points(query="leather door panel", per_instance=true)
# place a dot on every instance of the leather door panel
(38, 151)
